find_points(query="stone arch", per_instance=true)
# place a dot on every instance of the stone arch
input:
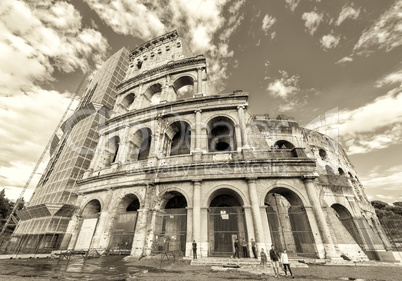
(284, 144)
(177, 139)
(140, 144)
(152, 95)
(288, 222)
(111, 150)
(329, 170)
(128, 100)
(341, 171)
(280, 185)
(91, 208)
(116, 201)
(345, 217)
(226, 221)
(184, 86)
(171, 222)
(221, 132)
(208, 197)
(124, 223)
(182, 191)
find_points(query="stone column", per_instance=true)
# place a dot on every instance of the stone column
(242, 123)
(199, 80)
(255, 209)
(196, 210)
(320, 217)
(123, 147)
(198, 124)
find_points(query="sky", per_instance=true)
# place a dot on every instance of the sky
(335, 66)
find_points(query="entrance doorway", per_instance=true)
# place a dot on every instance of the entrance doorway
(171, 224)
(288, 223)
(226, 223)
(124, 226)
(90, 216)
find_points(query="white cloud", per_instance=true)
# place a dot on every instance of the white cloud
(388, 182)
(312, 21)
(285, 86)
(390, 79)
(330, 41)
(348, 12)
(385, 33)
(200, 23)
(292, 4)
(344, 60)
(267, 23)
(40, 39)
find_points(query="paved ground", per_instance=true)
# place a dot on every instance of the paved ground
(115, 268)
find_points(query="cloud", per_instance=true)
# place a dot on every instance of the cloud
(344, 60)
(329, 41)
(292, 4)
(43, 38)
(348, 12)
(390, 79)
(25, 128)
(200, 23)
(385, 33)
(387, 181)
(285, 86)
(267, 23)
(312, 21)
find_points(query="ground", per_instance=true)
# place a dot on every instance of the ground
(115, 268)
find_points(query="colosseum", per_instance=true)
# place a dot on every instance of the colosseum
(153, 159)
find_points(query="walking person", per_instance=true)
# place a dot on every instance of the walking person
(285, 263)
(263, 258)
(254, 248)
(194, 250)
(274, 256)
(244, 248)
(236, 246)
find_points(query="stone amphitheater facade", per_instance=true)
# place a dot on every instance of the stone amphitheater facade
(153, 159)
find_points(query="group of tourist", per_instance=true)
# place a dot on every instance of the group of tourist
(275, 257)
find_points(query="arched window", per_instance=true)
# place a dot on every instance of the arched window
(152, 95)
(184, 87)
(341, 172)
(329, 170)
(177, 139)
(323, 154)
(221, 134)
(140, 144)
(283, 144)
(128, 101)
(111, 150)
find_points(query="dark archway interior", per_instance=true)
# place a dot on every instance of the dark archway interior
(225, 200)
(221, 135)
(93, 207)
(283, 144)
(175, 200)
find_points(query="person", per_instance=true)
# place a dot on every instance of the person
(244, 248)
(194, 250)
(285, 263)
(236, 246)
(253, 248)
(263, 258)
(274, 256)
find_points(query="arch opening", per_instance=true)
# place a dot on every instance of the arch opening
(152, 95)
(140, 145)
(221, 135)
(111, 151)
(283, 144)
(184, 87)
(128, 101)
(125, 221)
(288, 222)
(177, 139)
(171, 224)
(349, 224)
(226, 222)
(90, 215)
